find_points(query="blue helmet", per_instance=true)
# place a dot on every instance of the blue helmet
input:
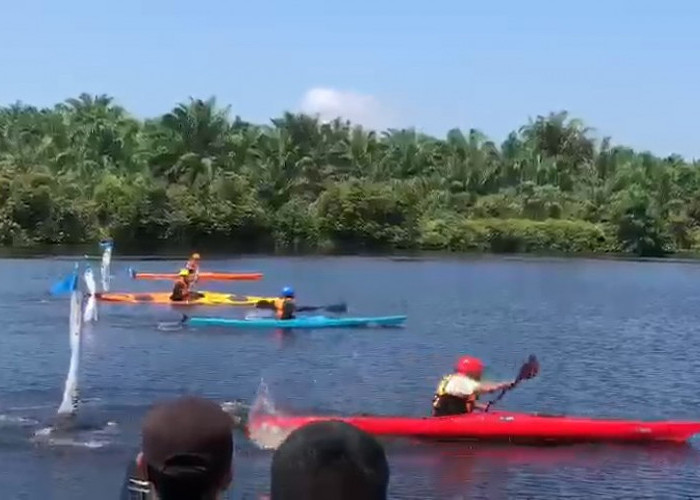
(288, 291)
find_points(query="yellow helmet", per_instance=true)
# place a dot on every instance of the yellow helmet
(195, 256)
(184, 272)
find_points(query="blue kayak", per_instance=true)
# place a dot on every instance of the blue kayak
(298, 322)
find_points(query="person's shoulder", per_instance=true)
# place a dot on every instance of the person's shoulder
(465, 381)
(135, 487)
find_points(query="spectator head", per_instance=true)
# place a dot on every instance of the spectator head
(329, 460)
(187, 449)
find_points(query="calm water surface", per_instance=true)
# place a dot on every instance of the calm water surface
(615, 339)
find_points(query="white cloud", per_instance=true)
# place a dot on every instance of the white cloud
(363, 109)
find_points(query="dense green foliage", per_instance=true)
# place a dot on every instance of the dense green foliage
(85, 169)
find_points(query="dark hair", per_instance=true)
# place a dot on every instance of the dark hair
(329, 459)
(183, 484)
(187, 446)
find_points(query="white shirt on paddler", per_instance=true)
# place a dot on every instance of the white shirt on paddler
(461, 386)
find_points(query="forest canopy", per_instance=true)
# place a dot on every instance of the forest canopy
(86, 169)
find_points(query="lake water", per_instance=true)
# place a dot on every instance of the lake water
(614, 339)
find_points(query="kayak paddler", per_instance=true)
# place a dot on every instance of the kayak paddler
(193, 266)
(284, 306)
(458, 393)
(181, 289)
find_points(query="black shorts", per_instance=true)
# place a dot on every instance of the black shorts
(449, 405)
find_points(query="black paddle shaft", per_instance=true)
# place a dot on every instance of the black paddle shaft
(334, 308)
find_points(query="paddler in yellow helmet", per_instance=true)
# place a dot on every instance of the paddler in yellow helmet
(181, 289)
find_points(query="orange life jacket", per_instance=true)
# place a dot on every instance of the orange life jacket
(282, 306)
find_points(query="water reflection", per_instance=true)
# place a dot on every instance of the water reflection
(466, 470)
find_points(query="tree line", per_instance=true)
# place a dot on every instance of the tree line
(86, 169)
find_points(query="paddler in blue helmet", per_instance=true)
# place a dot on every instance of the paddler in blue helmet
(285, 305)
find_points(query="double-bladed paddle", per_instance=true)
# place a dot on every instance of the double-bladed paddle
(334, 308)
(529, 370)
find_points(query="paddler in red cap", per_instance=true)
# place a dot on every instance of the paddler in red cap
(458, 393)
(187, 450)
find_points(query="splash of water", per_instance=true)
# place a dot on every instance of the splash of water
(16, 420)
(69, 404)
(264, 436)
(257, 314)
(263, 403)
(52, 437)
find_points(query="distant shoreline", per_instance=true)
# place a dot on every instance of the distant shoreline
(78, 252)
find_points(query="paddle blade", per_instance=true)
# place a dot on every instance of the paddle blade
(168, 326)
(530, 369)
(337, 308)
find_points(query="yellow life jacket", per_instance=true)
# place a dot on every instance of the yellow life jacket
(443, 385)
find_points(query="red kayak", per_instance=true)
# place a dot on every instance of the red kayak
(499, 426)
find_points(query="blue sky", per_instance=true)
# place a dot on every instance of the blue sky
(629, 69)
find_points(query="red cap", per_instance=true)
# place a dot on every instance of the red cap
(469, 366)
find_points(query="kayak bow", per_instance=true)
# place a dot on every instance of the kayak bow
(298, 322)
(498, 426)
(204, 299)
(211, 276)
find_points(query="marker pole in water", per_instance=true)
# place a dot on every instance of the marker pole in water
(105, 269)
(90, 313)
(69, 405)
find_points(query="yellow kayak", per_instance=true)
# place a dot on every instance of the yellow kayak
(203, 299)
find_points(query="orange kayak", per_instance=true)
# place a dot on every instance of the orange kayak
(204, 299)
(202, 276)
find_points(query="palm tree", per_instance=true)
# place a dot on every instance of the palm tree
(191, 139)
